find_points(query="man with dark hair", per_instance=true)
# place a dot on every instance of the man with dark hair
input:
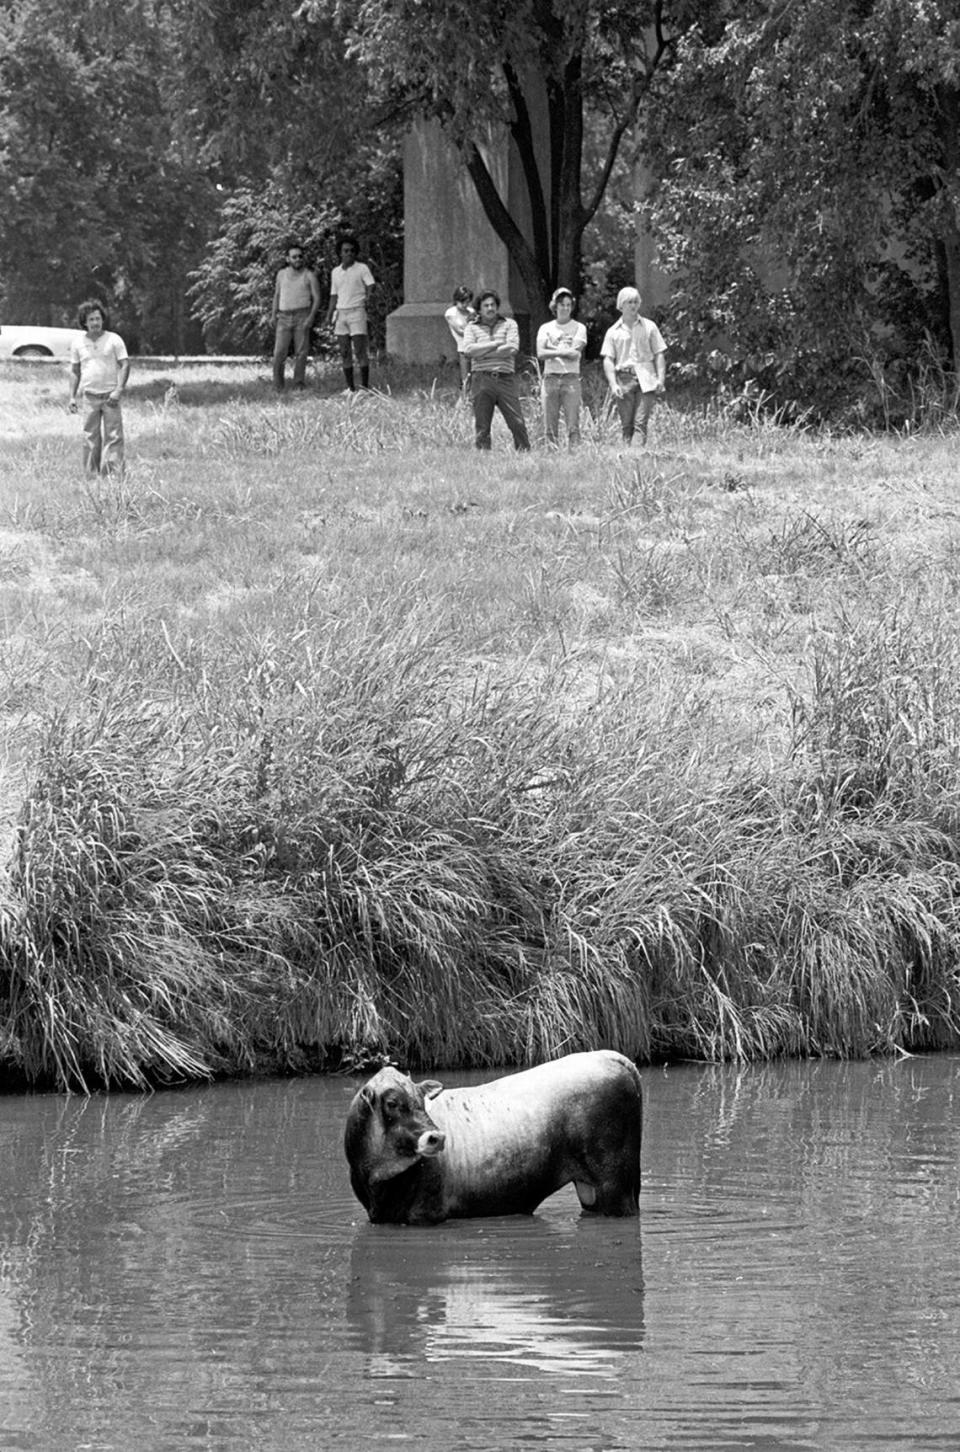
(296, 297)
(461, 312)
(99, 368)
(492, 343)
(350, 286)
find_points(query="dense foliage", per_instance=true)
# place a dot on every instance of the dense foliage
(804, 166)
(807, 201)
(132, 139)
(101, 165)
(543, 73)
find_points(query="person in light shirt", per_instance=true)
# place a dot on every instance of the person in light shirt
(350, 285)
(635, 365)
(99, 369)
(296, 297)
(461, 312)
(560, 347)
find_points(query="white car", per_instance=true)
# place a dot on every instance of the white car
(21, 341)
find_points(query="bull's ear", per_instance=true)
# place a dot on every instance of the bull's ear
(430, 1088)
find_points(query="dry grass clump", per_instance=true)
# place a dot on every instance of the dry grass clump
(327, 739)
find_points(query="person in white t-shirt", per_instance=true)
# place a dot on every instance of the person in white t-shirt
(350, 286)
(560, 346)
(457, 316)
(99, 369)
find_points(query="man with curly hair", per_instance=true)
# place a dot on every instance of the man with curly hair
(99, 368)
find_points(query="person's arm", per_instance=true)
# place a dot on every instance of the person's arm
(275, 306)
(332, 309)
(476, 343)
(610, 372)
(74, 384)
(546, 349)
(660, 363)
(369, 283)
(314, 286)
(509, 345)
(123, 373)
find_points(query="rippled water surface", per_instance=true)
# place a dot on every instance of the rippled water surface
(190, 1271)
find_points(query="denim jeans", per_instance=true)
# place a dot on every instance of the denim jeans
(634, 408)
(102, 435)
(291, 324)
(490, 391)
(561, 392)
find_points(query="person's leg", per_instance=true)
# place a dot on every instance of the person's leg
(346, 359)
(571, 398)
(92, 438)
(361, 356)
(112, 458)
(483, 397)
(464, 370)
(627, 409)
(281, 347)
(550, 395)
(508, 402)
(301, 347)
(645, 406)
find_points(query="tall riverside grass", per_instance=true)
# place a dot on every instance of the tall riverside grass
(326, 740)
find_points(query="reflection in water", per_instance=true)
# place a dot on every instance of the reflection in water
(191, 1271)
(557, 1296)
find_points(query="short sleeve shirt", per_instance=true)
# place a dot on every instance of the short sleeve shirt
(349, 285)
(99, 361)
(503, 330)
(634, 350)
(558, 335)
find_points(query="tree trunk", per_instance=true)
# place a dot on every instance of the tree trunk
(949, 98)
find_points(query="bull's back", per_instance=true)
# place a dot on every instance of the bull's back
(511, 1142)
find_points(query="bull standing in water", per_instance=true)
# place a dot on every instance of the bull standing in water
(419, 1153)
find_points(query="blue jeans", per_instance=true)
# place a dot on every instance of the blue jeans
(561, 391)
(102, 435)
(489, 391)
(291, 324)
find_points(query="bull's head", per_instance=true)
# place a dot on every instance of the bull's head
(388, 1127)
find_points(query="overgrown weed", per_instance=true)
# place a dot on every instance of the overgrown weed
(338, 740)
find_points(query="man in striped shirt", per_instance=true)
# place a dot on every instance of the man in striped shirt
(492, 343)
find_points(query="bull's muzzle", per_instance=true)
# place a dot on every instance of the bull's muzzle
(430, 1143)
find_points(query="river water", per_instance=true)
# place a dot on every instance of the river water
(190, 1271)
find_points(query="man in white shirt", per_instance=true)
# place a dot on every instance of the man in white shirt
(560, 347)
(99, 369)
(635, 364)
(296, 297)
(350, 286)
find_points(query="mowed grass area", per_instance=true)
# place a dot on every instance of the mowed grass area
(326, 737)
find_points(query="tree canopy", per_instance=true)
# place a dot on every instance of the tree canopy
(536, 68)
(138, 142)
(99, 165)
(807, 201)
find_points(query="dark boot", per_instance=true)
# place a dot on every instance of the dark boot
(364, 376)
(348, 375)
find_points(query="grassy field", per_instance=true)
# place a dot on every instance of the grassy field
(325, 737)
